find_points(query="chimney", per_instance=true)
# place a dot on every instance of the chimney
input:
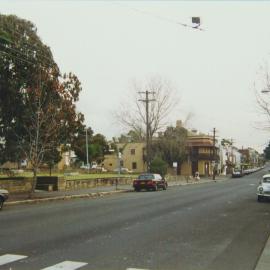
(179, 123)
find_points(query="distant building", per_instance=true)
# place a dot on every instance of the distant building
(203, 157)
(132, 157)
(231, 158)
(250, 158)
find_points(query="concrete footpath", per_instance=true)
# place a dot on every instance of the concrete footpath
(264, 261)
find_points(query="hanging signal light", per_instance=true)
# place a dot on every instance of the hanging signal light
(196, 21)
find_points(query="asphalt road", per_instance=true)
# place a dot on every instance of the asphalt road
(204, 226)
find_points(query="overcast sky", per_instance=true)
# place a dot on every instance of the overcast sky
(108, 44)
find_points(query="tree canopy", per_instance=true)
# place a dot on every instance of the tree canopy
(37, 103)
(97, 146)
(267, 152)
(171, 146)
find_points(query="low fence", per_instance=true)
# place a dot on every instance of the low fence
(79, 184)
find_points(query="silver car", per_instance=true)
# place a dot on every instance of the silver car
(263, 190)
(3, 197)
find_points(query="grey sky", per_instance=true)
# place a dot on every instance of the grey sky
(107, 44)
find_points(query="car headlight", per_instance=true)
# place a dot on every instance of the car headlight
(260, 189)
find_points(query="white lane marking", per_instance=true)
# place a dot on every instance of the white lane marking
(252, 184)
(8, 258)
(66, 265)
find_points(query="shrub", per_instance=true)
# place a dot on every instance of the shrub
(158, 165)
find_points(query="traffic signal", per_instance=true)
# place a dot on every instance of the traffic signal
(196, 20)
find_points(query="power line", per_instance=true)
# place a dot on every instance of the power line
(19, 34)
(17, 51)
(17, 57)
(167, 19)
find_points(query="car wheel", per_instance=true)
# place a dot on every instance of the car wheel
(260, 198)
(137, 189)
(1, 203)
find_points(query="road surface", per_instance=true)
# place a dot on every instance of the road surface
(217, 225)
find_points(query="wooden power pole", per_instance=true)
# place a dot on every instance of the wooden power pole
(147, 100)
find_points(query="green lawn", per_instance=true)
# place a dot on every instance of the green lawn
(71, 176)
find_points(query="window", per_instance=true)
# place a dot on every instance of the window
(146, 177)
(134, 165)
(132, 151)
(266, 180)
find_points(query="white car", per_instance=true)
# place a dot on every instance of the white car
(123, 170)
(263, 190)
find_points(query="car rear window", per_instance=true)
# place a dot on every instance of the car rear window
(146, 177)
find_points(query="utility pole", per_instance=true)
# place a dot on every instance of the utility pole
(214, 150)
(147, 100)
(86, 146)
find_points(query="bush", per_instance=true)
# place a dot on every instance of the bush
(158, 165)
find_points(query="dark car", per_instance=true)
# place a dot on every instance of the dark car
(150, 181)
(3, 197)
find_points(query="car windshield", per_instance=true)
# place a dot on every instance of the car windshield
(146, 177)
(266, 180)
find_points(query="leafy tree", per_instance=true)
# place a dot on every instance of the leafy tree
(37, 103)
(158, 165)
(97, 147)
(267, 152)
(51, 158)
(171, 147)
(226, 142)
(131, 136)
(79, 143)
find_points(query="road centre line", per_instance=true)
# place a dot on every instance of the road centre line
(8, 258)
(66, 265)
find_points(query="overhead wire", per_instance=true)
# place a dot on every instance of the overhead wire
(33, 46)
(166, 19)
(19, 58)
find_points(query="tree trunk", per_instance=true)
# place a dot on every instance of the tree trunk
(178, 169)
(34, 182)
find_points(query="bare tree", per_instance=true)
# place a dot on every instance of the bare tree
(132, 116)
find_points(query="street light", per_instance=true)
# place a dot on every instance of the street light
(86, 146)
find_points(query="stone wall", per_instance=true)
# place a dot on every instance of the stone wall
(25, 184)
(16, 185)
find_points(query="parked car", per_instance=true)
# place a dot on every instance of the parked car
(101, 169)
(150, 181)
(123, 170)
(3, 197)
(85, 167)
(237, 173)
(263, 190)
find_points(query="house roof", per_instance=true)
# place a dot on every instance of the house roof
(204, 141)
